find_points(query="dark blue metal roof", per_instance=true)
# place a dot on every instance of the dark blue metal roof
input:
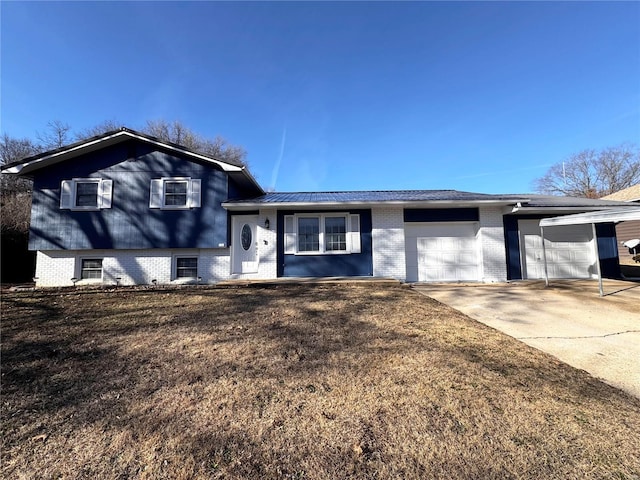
(415, 196)
(373, 197)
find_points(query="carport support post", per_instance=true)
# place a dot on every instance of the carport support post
(595, 248)
(544, 258)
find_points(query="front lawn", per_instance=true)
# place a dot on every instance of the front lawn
(292, 381)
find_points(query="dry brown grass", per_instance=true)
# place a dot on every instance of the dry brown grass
(311, 381)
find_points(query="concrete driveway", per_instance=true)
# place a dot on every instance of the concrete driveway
(568, 320)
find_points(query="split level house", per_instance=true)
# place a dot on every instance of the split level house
(126, 208)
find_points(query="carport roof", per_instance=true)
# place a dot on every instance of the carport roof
(613, 215)
(547, 201)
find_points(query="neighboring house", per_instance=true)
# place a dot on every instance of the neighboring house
(626, 231)
(127, 208)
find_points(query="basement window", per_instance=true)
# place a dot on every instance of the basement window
(186, 267)
(91, 269)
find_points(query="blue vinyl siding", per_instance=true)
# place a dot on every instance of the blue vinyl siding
(331, 265)
(608, 250)
(512, 245)
(129, 223)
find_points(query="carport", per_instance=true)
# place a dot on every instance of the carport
(602, 216)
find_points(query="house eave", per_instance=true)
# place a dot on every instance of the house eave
(232, 206)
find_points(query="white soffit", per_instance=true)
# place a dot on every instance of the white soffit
(602, 216)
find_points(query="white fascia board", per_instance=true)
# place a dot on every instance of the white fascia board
(111, 139)
(602, 216)
(59, 156)
(559, 210)
(13, 170)
(337, 205)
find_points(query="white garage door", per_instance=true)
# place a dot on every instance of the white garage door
(569, 251)
(442, 252)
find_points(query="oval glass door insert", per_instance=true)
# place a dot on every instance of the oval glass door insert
(245, 237)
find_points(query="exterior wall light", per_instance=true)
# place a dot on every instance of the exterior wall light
(267, 224)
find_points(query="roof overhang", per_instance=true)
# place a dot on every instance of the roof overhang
(248, 205)
(613, 215)
(37, 162)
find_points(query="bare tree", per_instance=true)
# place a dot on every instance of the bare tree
(14, 149)
(56, 135)
(101, 128)
(593, 173)
(178, 133)
(15, 192)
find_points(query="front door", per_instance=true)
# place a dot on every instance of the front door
(244, 244)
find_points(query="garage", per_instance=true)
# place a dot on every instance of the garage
(569, 251)
(442, 252)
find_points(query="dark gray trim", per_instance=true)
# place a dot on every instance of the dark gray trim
(441, 215)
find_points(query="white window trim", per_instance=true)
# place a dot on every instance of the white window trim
(78, 275)
(193, 193)
(322, 247)
(174, 267)
(105, 189)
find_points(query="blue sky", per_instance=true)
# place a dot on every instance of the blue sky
(339, 96)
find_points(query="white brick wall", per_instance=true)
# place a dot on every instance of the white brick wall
(494, 256)
(267, 242)
(55, 268)
(388, 242)
(132, 267)
(215, 265)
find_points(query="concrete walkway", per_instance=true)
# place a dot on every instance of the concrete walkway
(568, 320)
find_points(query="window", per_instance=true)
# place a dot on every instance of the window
(91, 268)
(330, 233)
(175, 193)
(308, 234)
(86, 194)
(335, 234)
(186, 267)
(246, 238)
